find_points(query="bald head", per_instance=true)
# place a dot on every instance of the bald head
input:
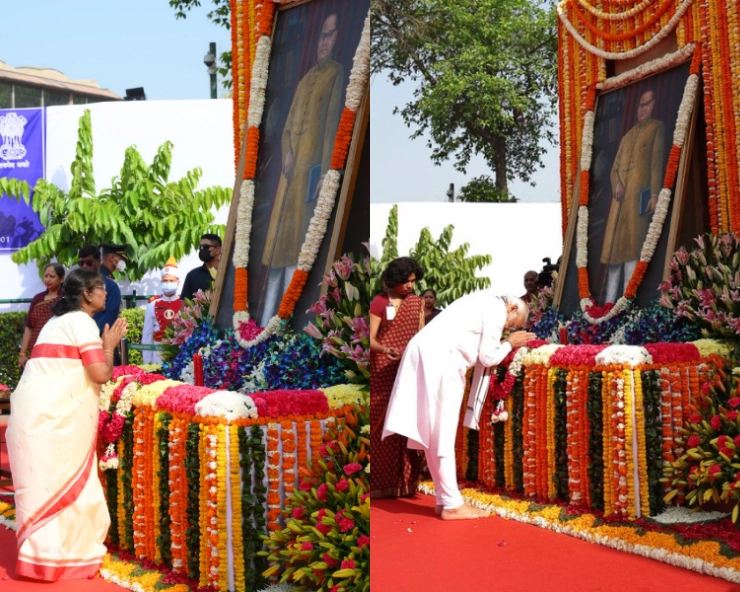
(517, 312)
(530, 281)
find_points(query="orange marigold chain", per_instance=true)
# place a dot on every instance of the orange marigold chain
(293, 293)
(343, 139)
(250, 164)
(240, 288)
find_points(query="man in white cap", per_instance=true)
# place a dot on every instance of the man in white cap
(161, 310)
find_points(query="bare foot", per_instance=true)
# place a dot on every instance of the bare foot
(464, 512)
(437, 510)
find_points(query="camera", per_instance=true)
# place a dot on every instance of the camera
(544, 278)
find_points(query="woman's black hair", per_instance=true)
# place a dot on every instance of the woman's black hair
(75, 285)
(58, 269)
(399, 270)
(429, 290)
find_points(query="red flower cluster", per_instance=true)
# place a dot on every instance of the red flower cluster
(576, 355)
(290, 402)
(352, 468)
(119, 371)
(182, 398)
(673, 353)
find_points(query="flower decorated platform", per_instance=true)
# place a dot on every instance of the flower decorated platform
(195, 478)
(592, 426)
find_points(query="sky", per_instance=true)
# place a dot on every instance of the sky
(401, 169)
(119, 44)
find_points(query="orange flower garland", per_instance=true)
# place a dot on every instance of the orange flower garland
(317, 437)
(529, 473)
(287, 435)
(177, 501)
(713, 23)
(237, 538)
(608, 442)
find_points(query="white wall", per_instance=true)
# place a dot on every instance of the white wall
(201, 132)
(516, 235)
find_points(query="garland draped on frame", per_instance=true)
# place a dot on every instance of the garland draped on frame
(591, 33)
(257, 69)
(655, 229)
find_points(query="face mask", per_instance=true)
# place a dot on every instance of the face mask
(205, 255)
(169, 288)
(121, 265)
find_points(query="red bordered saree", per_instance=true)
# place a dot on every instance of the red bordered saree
(61, 514)
(395, 468)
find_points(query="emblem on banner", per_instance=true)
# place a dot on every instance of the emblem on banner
(11, 129)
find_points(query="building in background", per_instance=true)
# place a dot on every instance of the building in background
(44, 87)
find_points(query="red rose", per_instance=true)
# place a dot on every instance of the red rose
(321, 492)
(321, 514)
(693, 441)
(365, 540)
(694, 418)
(713, 470)
(737, 441)
(726, 451)
(323, 528)
(348, 564)
(307, 546)
(342, 484)
(298, 513)
(305, 486)
(732, 415)
(734, 402)
(715, 422)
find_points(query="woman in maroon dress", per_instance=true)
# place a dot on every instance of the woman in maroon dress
(40, 310)
(396, 315)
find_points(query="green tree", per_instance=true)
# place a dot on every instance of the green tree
(483, 189)
(485, 74)
(221, 16)
(450, 273)
(155, 217)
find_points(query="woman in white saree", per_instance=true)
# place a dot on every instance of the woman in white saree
(61, 514)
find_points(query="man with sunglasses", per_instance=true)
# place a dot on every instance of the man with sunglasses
(88, 257)
(201, 278)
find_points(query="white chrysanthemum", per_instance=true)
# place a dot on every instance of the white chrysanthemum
(632, 355)
(227, 404)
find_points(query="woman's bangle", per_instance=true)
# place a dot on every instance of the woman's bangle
(108, 351)
(23, 354)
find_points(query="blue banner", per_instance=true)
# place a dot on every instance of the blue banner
(23, 157)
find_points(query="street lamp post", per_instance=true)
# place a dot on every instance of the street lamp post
(210, 61)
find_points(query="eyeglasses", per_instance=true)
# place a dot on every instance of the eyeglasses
(85, 263)
(327, 35)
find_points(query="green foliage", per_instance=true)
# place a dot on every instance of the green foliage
(486, 76)
(157, 218)
(483, 189)
(135, 318)
(221, 16)
(450, 273)
(12, 325)
(326, 541)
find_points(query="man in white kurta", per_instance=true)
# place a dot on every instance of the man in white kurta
(427, 395)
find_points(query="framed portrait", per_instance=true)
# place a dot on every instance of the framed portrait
(633, 134)
(313, 45)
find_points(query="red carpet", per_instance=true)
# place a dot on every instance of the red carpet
(500, 555)
(9, 581)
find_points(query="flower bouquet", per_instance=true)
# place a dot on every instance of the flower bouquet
(706, 471)
(704, 285)
(326, 542)
(342, 317)
(192, 314)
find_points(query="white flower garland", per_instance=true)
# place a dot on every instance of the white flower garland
(648, 68)
(226, 404)
(615, 16)
(243, 224)
(632, 355)
(358, 80)
(613, 55)
(688, 102)
(541, 355)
